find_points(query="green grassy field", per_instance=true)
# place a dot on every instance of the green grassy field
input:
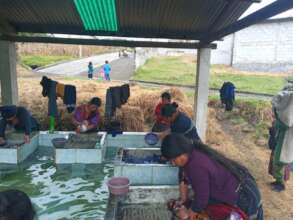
(39, 61)
(180, 70)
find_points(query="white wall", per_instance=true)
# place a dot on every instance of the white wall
(223, 53)
(265, 47)
(261, 47)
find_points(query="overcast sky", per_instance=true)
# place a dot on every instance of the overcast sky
(263, 3)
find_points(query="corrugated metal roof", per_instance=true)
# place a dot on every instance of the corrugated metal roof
(181, 19)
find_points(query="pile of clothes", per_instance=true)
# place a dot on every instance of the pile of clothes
(115, 98)
(52, 89)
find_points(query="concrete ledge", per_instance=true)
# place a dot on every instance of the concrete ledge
(129, 140)
(71, 156)
(18, 154)
(145, 174)
(85, 156)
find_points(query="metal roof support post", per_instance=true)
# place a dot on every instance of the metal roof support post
(202, 91)
(8, 76)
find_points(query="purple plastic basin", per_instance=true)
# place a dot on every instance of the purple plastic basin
(118, 185)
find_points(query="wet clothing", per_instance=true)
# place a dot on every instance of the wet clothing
(115, 97)
(81, 115)
(70, 97)
(227, 95)
(125, 93)
(25, 123)
(52, 100)
(184, 125)
(53, 89)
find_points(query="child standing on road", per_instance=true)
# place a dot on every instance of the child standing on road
(107, 70)
(90, 70)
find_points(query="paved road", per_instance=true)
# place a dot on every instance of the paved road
(122, 68)
(76, 67)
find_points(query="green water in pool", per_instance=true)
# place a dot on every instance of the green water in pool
(60, 192)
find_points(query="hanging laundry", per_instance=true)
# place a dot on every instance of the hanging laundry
(108, 104)
(70, 97)
(227, 95)
(52, 101)
(60, 90)
(125, 93)
(116, 96)
(46, 83)
(53, 89)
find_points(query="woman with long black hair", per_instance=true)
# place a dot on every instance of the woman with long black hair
(214, 178)
(179, 123)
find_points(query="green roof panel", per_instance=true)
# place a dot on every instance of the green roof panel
(97, 15)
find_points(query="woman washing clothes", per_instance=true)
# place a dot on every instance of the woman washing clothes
(179, 123)
(161, 123)
(18, 117)
(86, 117)
(218, 183)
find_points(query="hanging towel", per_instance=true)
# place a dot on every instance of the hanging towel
(69, 97)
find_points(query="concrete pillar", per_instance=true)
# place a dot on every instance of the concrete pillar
(202, 91)
(8, 77)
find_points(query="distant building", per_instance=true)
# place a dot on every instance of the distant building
(267, 46)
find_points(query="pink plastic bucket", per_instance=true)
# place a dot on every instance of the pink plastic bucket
(118, 185)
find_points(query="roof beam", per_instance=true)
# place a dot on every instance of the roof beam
(271, 10)
(6, 28)
(115, 43)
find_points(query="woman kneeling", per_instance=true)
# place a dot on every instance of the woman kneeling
(217, 182)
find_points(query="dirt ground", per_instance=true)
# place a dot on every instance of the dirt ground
(222, 135)
(229, 139)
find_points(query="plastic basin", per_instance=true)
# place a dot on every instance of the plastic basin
(151, 139)
(118, 185)
(59, 142)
